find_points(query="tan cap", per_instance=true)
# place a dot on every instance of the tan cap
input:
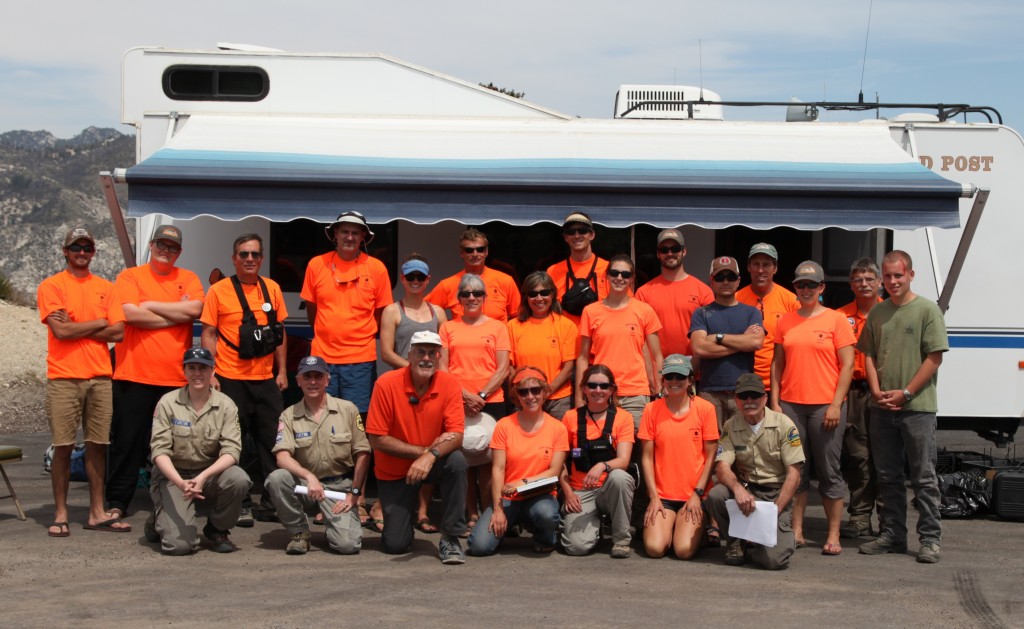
(577, 217)
(167, 232)
(724, 263)
(78, 233)
(809, 270)
(671, 234)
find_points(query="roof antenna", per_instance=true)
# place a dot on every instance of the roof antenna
(864, 63)
(700, 56)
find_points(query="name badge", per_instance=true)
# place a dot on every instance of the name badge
(303, 435)
(739, 448)
(181, 422)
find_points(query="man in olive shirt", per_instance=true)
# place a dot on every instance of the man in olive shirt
(322, 446)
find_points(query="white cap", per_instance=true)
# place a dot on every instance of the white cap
(424, 337)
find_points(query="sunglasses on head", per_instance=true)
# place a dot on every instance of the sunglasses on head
(76, 248)
(479, 249)
(255, 255)
(804, 285)
(604, 386)
(750, 395)
(543, 292)
(163, 246)
(617, 273)
(674, 376)
(726, 276)
(466, 294)
(670, 249)
(576, 231)
(415, 276)
(534, 391)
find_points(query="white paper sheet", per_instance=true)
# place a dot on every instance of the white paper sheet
(333, 495)
(760, 527)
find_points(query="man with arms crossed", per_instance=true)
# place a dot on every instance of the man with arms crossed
(502, 301)
(770, 299)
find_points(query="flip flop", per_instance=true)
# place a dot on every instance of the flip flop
(65, 531)
(108, 525)
(423, 525)
(831, 549)
(712, 537)
(364, 516)
(801, 543)
(375, 524)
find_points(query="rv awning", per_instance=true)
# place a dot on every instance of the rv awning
(523, 172)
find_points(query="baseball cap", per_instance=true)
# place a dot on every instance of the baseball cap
(476, 439)
(167, 232)
(199, 355)
(312, 363)
(766, 249)
(809, 270)
(724, 263)
(78, 233)
(424, 337)
(352, 218)
(671, 234)
(749, 383)
(577, 217)
(415, 265)
(677, 363)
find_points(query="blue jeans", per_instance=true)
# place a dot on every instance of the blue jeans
(542, 511)
(895, 434)
(353, 382)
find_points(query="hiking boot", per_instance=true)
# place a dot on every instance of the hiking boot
(450, 551)
(929, 553)
(621, 551)
(734, 555)
(219, 542)
(854, 529)
(149, 530)
(299, 544)
(881, 546)
(245, 519)
(265, 514)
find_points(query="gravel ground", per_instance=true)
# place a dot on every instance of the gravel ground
(22, 370)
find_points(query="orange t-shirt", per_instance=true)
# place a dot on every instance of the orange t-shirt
(560, 274)
(674, 303)
(528, 454)
(678, 445)
(152, 356)
(223, 311)
(502, 301)
(347, 296)
(857, 321)
(546, 344)
(622, 432)
(473, 353)
(617, 338)
(84, 299)
(812, 365)
(776, 303)
(391, 413)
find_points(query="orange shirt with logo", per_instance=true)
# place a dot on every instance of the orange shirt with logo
(812, 364)
(617, 339)
(502, 301)
(473, 353)
(545, 344)
(528, 455)
(856, 321)
(84, 299)
(559, 273)
(223, 311)
(347, 295)
(622, 432)
(775, 304)
(153, 356)
(674, 303)
(678, 445)
(392, 413)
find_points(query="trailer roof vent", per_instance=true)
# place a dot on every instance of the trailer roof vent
(664, 102)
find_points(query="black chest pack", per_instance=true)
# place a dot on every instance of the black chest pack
(590, 452)
(256, 340)
(579, 293)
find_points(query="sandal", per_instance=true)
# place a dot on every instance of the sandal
(801, 543)
(364, 516)
(375, 524)
(64, 530)
(470, 523)
(423, 525)
(831, 549)
(712, 537)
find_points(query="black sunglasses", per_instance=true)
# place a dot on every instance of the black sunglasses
(803, 285)
(480, 249)
(727, 276)
(80, 248)
(604, 386)
(576, 231)
(670, 249)
(544, 292)
(535, 391)
(674, 376)
(750, 395)
(466, 294)
(617, 273)
(415, 276)
(255, 255)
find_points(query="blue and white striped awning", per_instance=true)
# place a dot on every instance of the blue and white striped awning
(523, 172)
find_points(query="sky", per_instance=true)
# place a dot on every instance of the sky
(60, 60)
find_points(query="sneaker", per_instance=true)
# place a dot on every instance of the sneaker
(149, 530)
(621, 551)
(881, 546)
(929, 553)
(854, 529)
(245, 519)
(219, 542)
(299, 544)
(734, 555)
(450, 551)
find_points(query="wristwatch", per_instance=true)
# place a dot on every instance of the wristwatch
(907, 395)
(483, 394)
(607, 468)
(355, 491)
(719, 338)
(435, 452)
(699, 491)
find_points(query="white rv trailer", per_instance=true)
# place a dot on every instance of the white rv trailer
(232, 141)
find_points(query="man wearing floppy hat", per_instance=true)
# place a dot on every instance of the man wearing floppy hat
(769, 298)
(582, 269)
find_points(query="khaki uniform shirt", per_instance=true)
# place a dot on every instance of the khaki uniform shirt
(760, 459)
(328, 448)
(195, 439)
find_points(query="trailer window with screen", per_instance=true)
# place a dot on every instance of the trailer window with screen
(219, 83)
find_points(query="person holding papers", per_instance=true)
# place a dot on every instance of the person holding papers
(527, 446)
(759, 459)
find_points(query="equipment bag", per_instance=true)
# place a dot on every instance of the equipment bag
(255, 340)
(579, 293)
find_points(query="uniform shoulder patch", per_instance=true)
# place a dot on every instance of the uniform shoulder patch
(360, 424)
(793, 437)
(721, 449)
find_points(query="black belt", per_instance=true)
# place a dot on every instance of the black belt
(860, 385)
(758, 487)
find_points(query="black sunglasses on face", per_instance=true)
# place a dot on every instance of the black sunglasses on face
(544, 292)
(415, 276)
(576, 231)
(466, 294)
(255, 255)
(480, 249)
(534, 391)
(80, 248)
(617, 273)
(670, 249)
(803, 285)
(674, 376)
(604, 386)
(726, 276)
(750, 395)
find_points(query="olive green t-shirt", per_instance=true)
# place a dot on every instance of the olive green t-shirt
(898, 338)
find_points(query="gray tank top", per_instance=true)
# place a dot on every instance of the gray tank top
(407, 327)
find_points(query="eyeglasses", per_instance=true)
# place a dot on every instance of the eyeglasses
(576, 231)
(806, 285)
(604, 386)
(863, 280)
(670, 249)
(726, 276)
(255, 255)
(163, 246)
(617, 273)
(750, 395)
(534, 391)
(80, 248)
(415, 276)
(466, 294)
(674, 376)
(544, 292)
(479, 249)
(423, 351)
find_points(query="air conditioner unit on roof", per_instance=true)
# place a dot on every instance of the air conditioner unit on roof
(665, 102)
